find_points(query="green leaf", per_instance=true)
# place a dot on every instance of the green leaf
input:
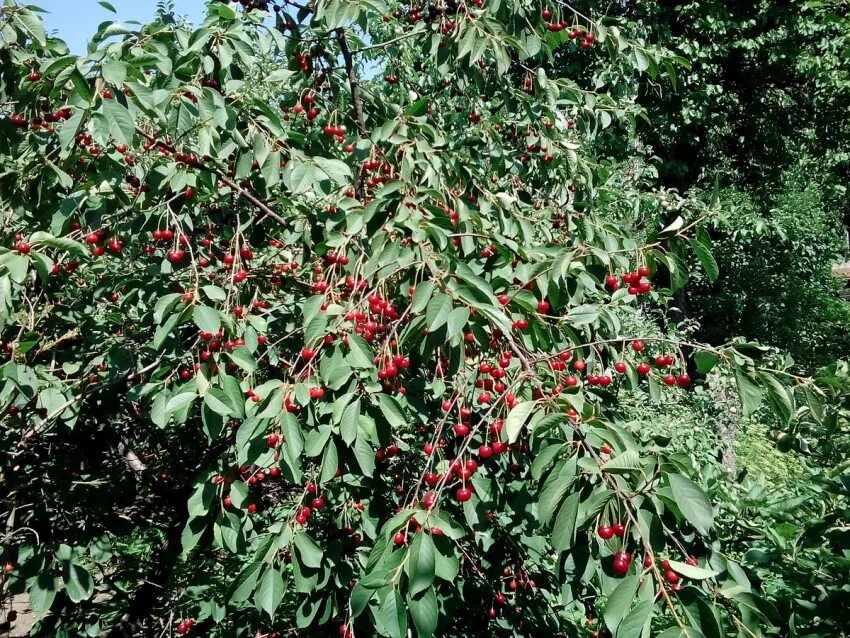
(563, 530)
(82, 87)
(269, 592)
(309, 553)
(421, 296)
(706, 259)
(391, 410)
(30, 24)
(78, 582)
(42, 594)
(42, 238)
(457, 320)
(692, 571)
(620, 601)
(628, 461)
(780, 399)
(207, 319)
(633, 625)
(394, 615)
(242, 357)
(242, 586)
(517, 418)
(705, 361)
(348, 423)
(122, 126)
(420, 563)
(583, 315)
(438, 311)
(423, 610)
(748, 390)
(693, 503)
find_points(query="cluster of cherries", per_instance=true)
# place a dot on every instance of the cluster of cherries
(635, 281)
(585, 39)
(185, 626)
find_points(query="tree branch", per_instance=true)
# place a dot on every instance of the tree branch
(241, 192)
(353, 82)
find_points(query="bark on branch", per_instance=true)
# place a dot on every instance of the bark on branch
(353, 82)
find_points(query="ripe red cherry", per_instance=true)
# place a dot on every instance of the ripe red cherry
(605, 449)
(579, 365)
(485, 397)
(647, 561)
(432, 479)
(485, 451)
(611, 282)
(92, 238)
(643, 368)
(619, 530)
(428, 449)
(189, 193)
(399, 538)
(605, 532)
(307, 353)
(543, 307)
(669, 379)
(463, 494)
(430, 500)
(620, 367)
(644, 271)
(638, 346)
(671, 576)
(227, 501)
(23, 248)
(504, 299)
(175, 255)
(683, 380)
(461, 429)
(318, 502)
(622, 562)
(317, 393)
(499, 447)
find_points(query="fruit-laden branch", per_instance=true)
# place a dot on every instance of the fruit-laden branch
(268, 212)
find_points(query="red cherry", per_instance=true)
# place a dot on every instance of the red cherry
(317, 393)
(647, 561)
(644, 271)
(463, 494)
(643, 368)
(671, 576)
(605, 532)
(307, 353)
(619, 530)
(638, 346)
(543, 307)
(485, 451)
(23, 248)
(669, 379)
(428, 449)
(399, 538)
(620, 367)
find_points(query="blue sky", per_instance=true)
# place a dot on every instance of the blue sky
(75, 21)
